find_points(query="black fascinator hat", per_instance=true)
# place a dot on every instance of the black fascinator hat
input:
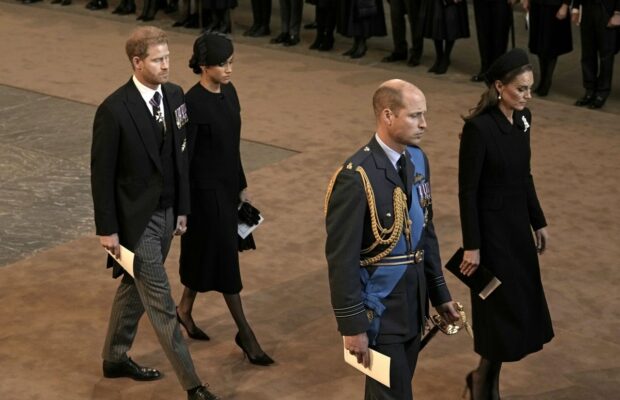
(210, 49)
(509, 61)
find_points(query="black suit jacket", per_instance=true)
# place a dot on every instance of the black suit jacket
(126, 171)
(609, 5)
(349, 230)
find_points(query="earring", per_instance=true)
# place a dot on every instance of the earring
(499, 96)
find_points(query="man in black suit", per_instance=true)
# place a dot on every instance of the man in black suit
(381, 249)
(140, 191)
(398, 10)
(599, 22)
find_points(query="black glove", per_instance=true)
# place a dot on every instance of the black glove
(247, 243)
(248, 214)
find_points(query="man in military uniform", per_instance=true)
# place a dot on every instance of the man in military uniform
(381, 248)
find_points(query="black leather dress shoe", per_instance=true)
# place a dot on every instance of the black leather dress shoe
(585, 100)
(129, 369)
(393, 57)
(29, 1)
(327, 44)
(360, 51)
(292, 41)
(281, 38)
(97, 5)
(597, 102)
(413, 61)
(262, 30)
(125, 8)
(65, 2)
(317, 43)
(202, 394)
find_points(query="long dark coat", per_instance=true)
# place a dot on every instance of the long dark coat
(499, 209)
(209, 250)
(549, 36)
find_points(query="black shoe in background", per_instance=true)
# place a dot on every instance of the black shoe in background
(311, 25)
(394, 57)
(597, 102)
(292, 41)
(281, 38)
(586, 100)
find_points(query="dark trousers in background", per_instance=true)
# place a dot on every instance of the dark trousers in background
(150, 292)
(493, 21)
(412, 8)
(290, 16)
(404, 357)
(598, 44)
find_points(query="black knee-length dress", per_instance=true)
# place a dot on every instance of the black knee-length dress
(209, 257)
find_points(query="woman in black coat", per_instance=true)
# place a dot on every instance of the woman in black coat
(550, 36)
(499, 211)
(209, 250)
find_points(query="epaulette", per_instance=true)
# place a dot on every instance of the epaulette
(357, 158)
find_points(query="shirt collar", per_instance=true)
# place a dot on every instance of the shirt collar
(146, 92)
(392, 154)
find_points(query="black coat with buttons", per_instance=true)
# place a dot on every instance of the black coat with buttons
(499, 209)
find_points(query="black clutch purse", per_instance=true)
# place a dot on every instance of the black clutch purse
(249, 215)
(482, 282)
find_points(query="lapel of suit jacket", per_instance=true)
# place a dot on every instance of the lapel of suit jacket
(142, 119)
(383, 162)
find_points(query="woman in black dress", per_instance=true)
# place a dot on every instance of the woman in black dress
(503, 225)
(361, 20)
(550, 36)
(209, 250)
(444, 22)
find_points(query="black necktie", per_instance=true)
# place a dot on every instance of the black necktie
(402, 170)
(159, 116)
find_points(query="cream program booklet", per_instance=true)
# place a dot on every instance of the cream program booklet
(379, 368)
(126, 260)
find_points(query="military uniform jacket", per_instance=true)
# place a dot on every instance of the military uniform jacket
(126, 170)
(349, 230)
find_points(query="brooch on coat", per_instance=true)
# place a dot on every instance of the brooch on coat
(183, 145)
(526, 125)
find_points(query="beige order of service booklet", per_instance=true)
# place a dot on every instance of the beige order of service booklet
(379, 368)
(125, 260)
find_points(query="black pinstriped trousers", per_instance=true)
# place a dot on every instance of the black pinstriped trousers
(150, 292)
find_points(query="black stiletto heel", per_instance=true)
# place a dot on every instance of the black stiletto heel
(195, 333)
(262, 359)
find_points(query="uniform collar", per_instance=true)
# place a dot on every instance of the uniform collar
(391, 154)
